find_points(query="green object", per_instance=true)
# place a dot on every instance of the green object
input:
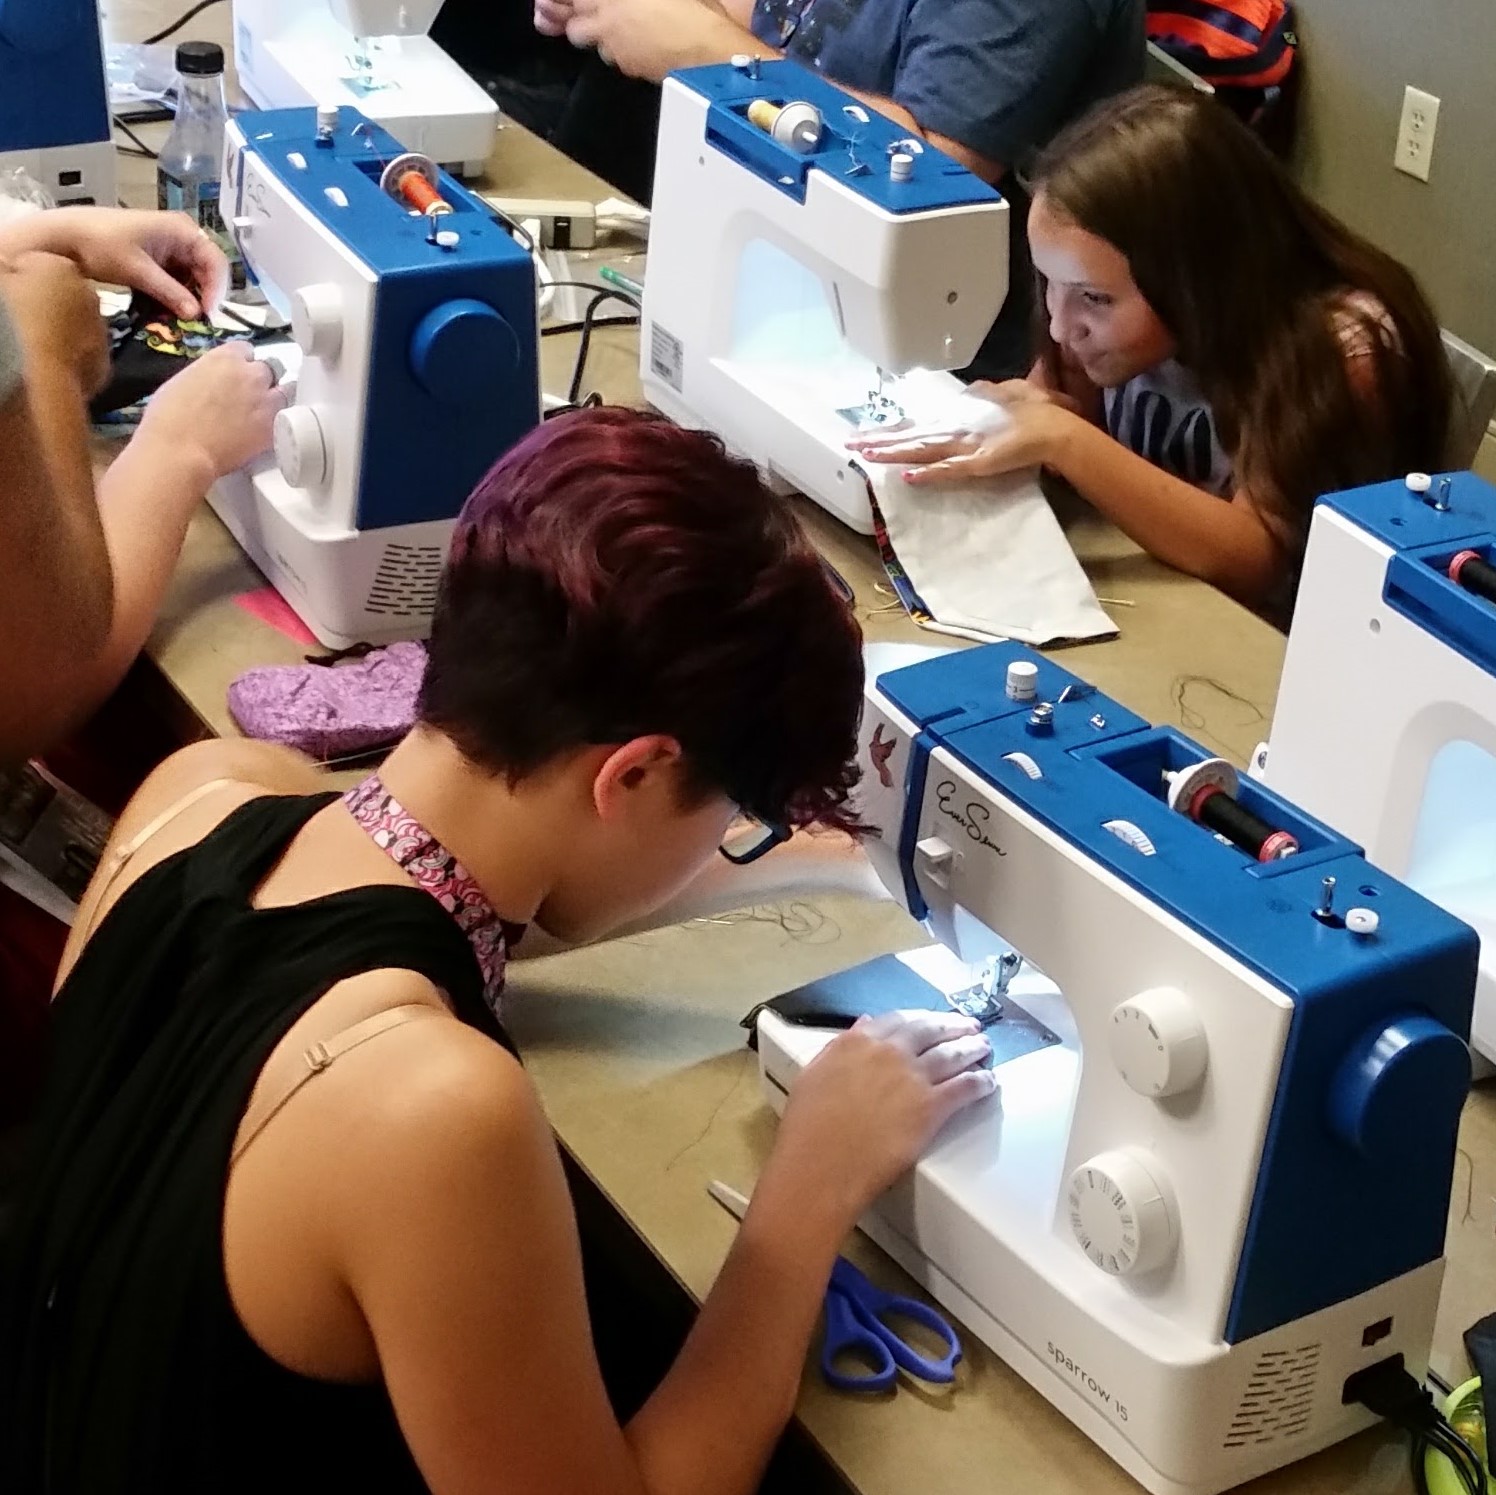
(620, 281)
(1467, 1416)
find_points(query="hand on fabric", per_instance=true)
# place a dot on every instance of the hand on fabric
(166, 255)
(646, 38)
(219, 409)
(56, 313)
(1027, 427)
(872, 1100)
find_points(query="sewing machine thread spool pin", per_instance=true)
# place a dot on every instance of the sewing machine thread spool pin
(1205, 792)
(1470, 570)
(327, 124)
(1441, 495)
(797, 125)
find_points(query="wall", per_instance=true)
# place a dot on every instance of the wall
(1358, 55)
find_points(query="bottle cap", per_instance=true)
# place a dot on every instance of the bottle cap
(199, 59)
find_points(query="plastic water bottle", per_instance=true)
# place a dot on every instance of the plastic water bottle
(191, 161)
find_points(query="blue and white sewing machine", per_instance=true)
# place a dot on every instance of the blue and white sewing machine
(804, 254)
(1214, 1178)
(54, 101)
(1386, 716)
(414, 316)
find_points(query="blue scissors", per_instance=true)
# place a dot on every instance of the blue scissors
(855, 1313)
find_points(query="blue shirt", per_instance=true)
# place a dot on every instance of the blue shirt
(999, 76)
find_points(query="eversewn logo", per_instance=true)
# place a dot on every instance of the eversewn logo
(1082, 1378)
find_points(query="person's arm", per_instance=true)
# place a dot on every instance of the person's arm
(201, 424)
(1228, 543)
(55, 586)
(476, 1302)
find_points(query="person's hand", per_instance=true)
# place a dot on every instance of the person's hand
(1027, 426)
(647, 38)
(551, 16)
(56, 315)
(867, 1106)
(165, 255)
(217, 412)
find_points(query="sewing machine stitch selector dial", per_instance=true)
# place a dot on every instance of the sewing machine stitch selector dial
(1158, 1044)
(1119, 1214)
(317, 320)
(300, 447)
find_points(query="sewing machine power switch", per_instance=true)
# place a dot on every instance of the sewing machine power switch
(1157, 1043)
(1119, 1213)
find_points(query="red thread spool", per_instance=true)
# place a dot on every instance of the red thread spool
(421, 195)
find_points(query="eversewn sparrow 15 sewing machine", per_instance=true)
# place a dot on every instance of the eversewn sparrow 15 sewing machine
(54, 101)
(804, 254)
(1213, 1181)
(415, 363)
(372, 55)
(1386, 716)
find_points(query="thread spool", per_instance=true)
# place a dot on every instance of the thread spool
(412, 179)
(1470, 570)
(1205, 792)
(796, 125)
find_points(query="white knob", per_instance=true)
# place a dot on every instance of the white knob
(1363, 921)
(1418, 482)
(317, 320)
(300, 448)
(1158, 1044)
(1022, 682)
(900, 166)
(1120, 1215)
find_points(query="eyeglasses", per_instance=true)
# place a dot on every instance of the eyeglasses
(748, 838)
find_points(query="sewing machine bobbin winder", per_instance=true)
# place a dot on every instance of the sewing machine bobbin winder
(1214, 1179)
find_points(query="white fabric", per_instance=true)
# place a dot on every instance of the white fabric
(989, 559)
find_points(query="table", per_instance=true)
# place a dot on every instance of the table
(635, 1045)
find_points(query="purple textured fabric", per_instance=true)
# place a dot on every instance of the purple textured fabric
(332, 711)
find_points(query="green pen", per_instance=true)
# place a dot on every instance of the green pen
(622, 282)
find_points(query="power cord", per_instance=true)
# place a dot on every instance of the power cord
(139, 148)
(180, 22)
(1389, 1391)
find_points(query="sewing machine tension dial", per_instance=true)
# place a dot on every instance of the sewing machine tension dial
(1158, 1044)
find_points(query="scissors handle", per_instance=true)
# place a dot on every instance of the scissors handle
(867, 1307)
(849, 1336)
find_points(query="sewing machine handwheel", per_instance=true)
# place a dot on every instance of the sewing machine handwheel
(461, 352)
(1380, 1097)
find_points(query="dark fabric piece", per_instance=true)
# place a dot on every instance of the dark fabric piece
(123, 1365)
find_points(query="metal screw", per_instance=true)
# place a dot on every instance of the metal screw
(1441, 501)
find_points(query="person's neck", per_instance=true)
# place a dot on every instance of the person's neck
(499, 836)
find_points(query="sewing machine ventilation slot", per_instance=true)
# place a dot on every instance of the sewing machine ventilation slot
(1279, 1398)
(405, 583)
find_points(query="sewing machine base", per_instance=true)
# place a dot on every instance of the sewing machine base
(74, 175)
(375, 586)
(1199, 1417)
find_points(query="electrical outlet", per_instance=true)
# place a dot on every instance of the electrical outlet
(1415, 133)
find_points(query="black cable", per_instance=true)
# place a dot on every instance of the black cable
(561, 329)
(584, 344)
(1388, 1390)
(180, 22)
(1462, 1458)
(141, 148)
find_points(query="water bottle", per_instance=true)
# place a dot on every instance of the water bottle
(191, 161)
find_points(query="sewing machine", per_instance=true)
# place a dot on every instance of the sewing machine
(804, 254)
(1213, 1181)
(1386, 716)
(415, 365)
(54, 101)
(371, 55)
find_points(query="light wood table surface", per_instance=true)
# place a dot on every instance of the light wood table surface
(635, 1045)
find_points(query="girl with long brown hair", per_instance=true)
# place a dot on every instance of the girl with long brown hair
(1218, 350)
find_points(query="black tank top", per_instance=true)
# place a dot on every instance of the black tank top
(123, 1365)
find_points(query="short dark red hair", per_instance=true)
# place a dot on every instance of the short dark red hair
(615, 576)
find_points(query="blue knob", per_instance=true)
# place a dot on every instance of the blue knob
(461, 353)
(1399, 1083)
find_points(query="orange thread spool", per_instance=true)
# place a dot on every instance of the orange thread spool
(421, 195)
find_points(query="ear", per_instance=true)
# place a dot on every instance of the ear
(636, 774)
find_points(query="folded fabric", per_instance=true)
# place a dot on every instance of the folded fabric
(985, 560)
(336, 710)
